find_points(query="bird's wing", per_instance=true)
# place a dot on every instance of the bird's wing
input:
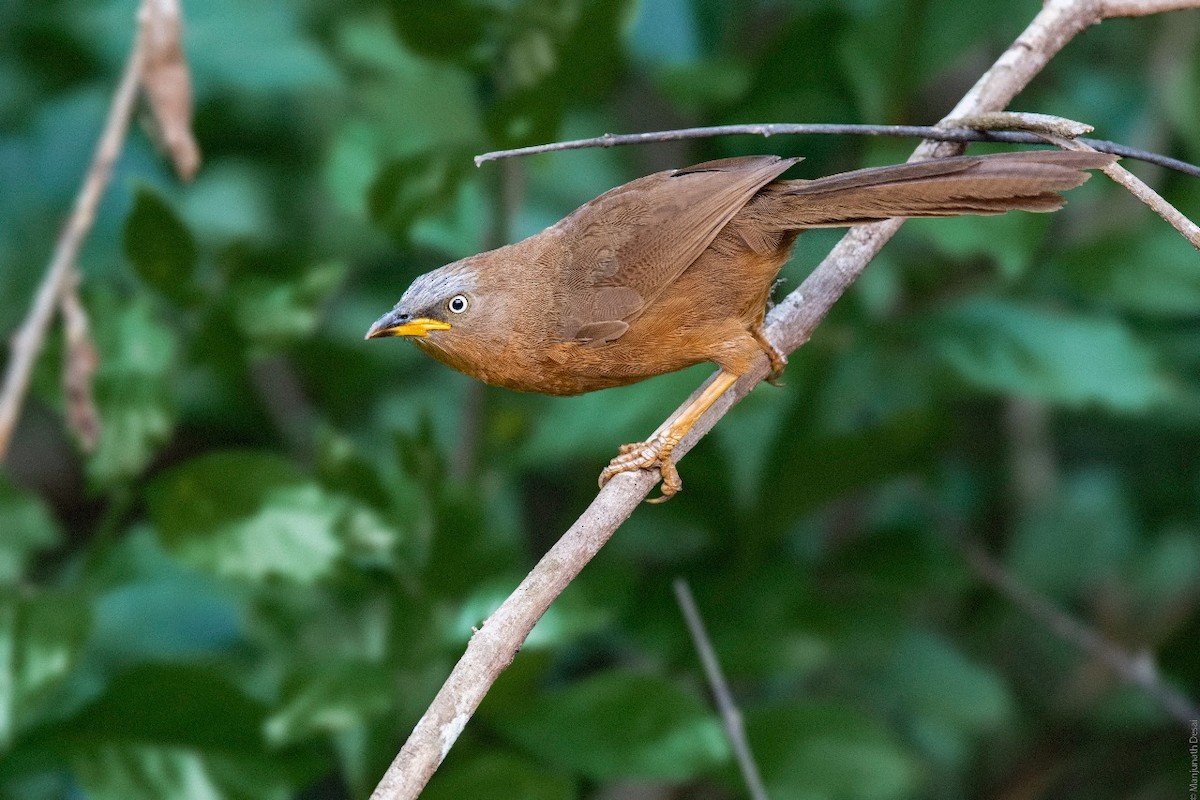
(624, 248)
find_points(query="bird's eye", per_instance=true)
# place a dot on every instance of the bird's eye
(457, 304)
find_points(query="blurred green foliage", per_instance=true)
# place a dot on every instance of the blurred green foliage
(255, 584)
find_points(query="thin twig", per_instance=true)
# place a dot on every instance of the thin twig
(1138, 188)
(731, 716)
(1138, 670)
(27, 342)
(790, 324)
(929, 132)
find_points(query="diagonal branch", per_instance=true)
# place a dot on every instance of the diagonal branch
(1136, 669)
(156, 63)
(28, 340)
(790, 324)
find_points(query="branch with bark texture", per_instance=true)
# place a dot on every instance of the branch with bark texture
(156, 63)
(789, 325)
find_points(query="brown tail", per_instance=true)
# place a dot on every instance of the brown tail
(1029, 181)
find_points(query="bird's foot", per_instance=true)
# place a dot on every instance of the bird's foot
(774, 354)
(655, 453)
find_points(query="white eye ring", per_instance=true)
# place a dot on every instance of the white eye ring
(457, 304)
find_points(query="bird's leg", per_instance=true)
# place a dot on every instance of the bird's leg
(778, 359)
(656, 451)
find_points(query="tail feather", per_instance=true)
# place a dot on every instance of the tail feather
(993, 184)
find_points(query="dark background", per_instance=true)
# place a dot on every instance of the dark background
(255, 584)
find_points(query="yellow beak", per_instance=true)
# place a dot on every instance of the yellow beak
(387, 326)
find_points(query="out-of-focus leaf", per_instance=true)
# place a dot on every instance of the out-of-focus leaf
(218, 35)
(1149, 272)
(27, 528)
(620, 724)
(1012, 240)
(483, 776)
(41, 640)
(173, 703)
(816, 470)
(811, 750)
(137, 353)
(171, 616)
(229, 201)
(160, 246)
(1170, 567)
(152, 772)
(927, 676)
(413, 119)
(453, 31)
(1008, 346)
(410, 187)
(248, 515)
(154, 734)
(330, 700)
(272, 312)
(1081, 540)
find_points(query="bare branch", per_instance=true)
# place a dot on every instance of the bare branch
(27, 343)
(1138, 670)
(789, 325)
(1138, 188)
(937, 133)
(731, 716)
(1142, 8)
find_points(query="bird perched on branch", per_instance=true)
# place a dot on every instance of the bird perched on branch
(675, 269)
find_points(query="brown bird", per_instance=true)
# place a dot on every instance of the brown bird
(675, 269)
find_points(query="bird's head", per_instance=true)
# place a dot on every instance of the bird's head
(455, 313)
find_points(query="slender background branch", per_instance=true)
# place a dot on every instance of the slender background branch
(155, 63)
(27, 343)
(731, 715)
(931, 132)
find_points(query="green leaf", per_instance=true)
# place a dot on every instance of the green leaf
(493, 774)
(133, 772)
(173, 704)
(620, 724)
(330, 700)
(927, 676)
(1007, 346)
(166, 731)
(41, 640)
(1010, 240)
(1081, 539)
(218, 35)
(818, 751)
(172, 615)
(409, 188)
(132, 389)
(27, 528)
(408, 110)
(273, 312)
(248, 515)
(160, 246)
(1168, 568)
(1147, 272)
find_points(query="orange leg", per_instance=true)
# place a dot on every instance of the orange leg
(656, 451)
(778, 359)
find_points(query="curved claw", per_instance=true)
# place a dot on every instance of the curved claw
(652, 454)
(671, 482)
